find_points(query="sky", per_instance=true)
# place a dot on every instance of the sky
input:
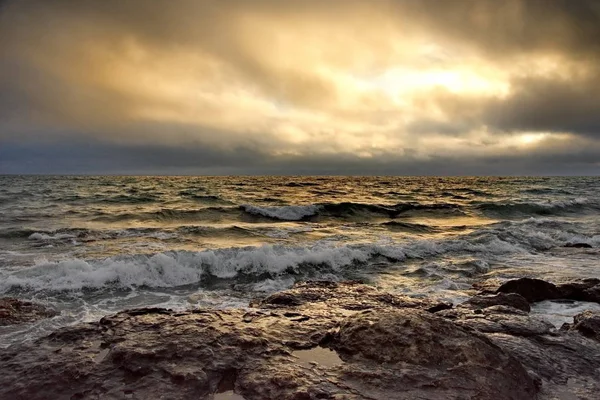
(342, 87)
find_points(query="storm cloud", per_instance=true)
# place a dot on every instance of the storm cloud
(300, 87)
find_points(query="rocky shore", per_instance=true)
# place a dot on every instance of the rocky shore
(15, 311)
(321, 340)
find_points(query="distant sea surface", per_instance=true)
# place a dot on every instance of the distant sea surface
(90, 246)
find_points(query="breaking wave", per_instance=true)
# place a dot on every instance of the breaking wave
(245, 265)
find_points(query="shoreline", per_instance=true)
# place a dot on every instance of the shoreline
(322, 340)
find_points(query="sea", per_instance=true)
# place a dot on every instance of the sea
(89, 246)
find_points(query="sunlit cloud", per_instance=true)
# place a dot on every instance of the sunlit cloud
(401, 81)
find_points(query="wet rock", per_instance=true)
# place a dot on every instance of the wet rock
(582, 290)
(531, 289)
(592, 294)
(579, 245)
(558, 360)
(386, 347)
(564, 364)
(15, 311)
(505, 299)
(588, 324)
(535, 290)
(498, 319)
(350, 295)
(488, 286)
(418, 344)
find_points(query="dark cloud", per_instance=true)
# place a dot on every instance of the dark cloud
(92, 157)
(509, 27)
(549, 105)
(212, 87)
(538, 104)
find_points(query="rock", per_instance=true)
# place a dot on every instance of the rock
(592, 294)
(423, 345)
(582, 290)
(588, 324)
(558, 360)
(390, 347)
(534, 290)
(506, 299)
(350, 295)
(579, 245)
(158, 353)
(531, 289)
(565, 364)
(14, 311)
(498, 319)
(488, 286)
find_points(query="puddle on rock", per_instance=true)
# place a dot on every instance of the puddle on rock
(319, 355)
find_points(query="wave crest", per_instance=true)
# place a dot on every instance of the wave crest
(284, 213)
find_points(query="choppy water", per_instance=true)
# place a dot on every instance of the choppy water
(93, 245)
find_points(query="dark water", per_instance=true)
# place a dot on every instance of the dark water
(93, 245)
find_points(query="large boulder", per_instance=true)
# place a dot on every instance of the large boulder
(565, 363)
(419, 345)
(531, 289)
(535, 290)
(583, 290)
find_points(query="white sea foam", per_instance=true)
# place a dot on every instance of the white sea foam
(286, 213)
(178, 268)
(559, 313)
(562, 203)
(45, 236)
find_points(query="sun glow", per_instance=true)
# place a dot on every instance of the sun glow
(529, 139)
(399, 80)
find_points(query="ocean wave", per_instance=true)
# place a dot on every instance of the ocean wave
(345, 210)
(537, 208)
(546, 190)
(409, 227)
(166, 214)
(284, 213)
(206, 198)
(40, 234)
(349, 209)
(473, 192)
(538, 234)
(211, 231)
(238, 265)
(301, 184)
(128, 199)
(45, 236)
(16, 233)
